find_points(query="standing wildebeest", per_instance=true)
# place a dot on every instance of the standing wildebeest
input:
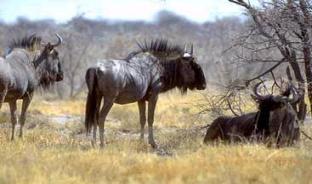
(23, 69)
(275, 121)
(157, 67)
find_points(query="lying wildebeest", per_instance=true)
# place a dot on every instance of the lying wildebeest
(275, 122)
(157, 67)
(27, 65)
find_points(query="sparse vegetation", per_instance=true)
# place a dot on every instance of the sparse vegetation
(57, 150)
(230, 50)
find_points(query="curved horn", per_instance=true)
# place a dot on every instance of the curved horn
(191, 50)
(255, 91)
(185, 50)
(60, 40)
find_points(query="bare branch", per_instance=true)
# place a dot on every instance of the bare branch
(264, 73)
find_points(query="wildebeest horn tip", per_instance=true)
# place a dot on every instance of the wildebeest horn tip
(255, 91)
(60, 40)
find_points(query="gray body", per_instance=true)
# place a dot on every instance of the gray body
(140, 78)
(23, 70)
(17, 75)
(129, 81)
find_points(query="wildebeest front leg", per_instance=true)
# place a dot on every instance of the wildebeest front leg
(13, 117)
(25, 105)
(142, 111)
(108, 103)
(151, 109)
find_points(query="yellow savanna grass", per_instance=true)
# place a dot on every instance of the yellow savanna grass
(54, 152)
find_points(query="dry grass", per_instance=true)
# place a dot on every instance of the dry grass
(60, 153)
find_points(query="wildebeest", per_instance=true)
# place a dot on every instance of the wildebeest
(155, 68)
(275, 122)
(28, 64)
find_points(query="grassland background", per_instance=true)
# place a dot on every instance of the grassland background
(56, 150)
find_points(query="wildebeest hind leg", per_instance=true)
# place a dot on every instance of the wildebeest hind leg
(25, 105)
(13, 117)
(108, 103)
(142, 111)
(96, 119)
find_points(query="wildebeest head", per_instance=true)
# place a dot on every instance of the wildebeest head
(180, 67)
(191, 72)
(269, 103)
(50, 67)
(272, 102)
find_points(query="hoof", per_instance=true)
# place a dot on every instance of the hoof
(102, 146)
(93, 144)
(154, 145)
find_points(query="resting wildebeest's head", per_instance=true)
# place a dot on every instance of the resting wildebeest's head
(272, 102)
(268, 103)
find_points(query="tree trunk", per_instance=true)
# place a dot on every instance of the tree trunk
(300, 107)
(306, 42)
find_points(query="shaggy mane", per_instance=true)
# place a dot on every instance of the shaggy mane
(27, 42)
(161, 48)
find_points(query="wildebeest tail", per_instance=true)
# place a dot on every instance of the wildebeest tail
(91, 80)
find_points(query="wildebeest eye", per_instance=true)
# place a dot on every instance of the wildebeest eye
(191, 59)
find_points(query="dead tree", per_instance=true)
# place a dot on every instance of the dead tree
(284, 26)
(75, 59)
